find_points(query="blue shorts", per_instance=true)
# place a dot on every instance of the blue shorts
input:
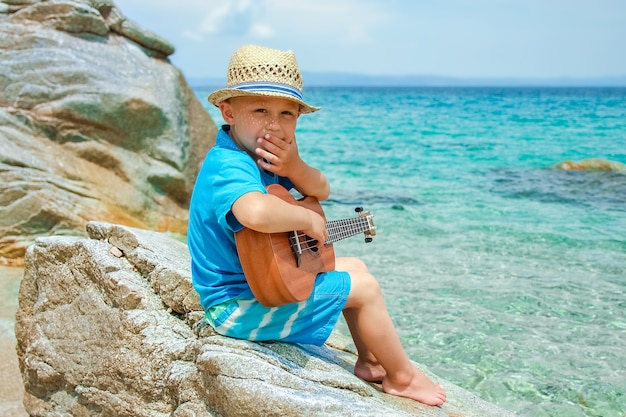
(310, 321)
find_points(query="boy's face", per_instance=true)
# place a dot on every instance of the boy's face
(253, 117)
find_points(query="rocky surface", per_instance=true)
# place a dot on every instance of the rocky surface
(111, 326)
(95, 123)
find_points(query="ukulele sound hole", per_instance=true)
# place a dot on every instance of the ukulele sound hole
(309, 243)
(300, 243)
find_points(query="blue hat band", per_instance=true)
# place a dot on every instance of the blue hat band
(268, 87)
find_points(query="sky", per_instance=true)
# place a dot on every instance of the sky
(448, 38)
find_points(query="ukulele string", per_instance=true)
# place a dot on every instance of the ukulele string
(338, 229)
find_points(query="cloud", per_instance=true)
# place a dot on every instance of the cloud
(345, 22)
(262, 31)
(231, 19)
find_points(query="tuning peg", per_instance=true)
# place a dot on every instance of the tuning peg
(368, 239)
(358, 209)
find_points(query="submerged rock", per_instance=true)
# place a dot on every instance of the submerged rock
(95, 123)
(592, 164)
(111, 326)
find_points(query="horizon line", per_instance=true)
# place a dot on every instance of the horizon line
(340, 79)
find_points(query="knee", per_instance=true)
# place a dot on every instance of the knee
(364, 289)
(353, 265)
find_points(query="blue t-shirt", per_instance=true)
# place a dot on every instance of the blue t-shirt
(226, 174)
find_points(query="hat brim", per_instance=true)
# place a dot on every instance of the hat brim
(218, 96)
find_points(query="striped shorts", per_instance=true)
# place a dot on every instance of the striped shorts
(310, 321)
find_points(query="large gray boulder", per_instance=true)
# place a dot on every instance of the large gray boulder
(95, 123)
(111, 326)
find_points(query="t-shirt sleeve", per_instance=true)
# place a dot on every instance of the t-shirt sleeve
(234, 179)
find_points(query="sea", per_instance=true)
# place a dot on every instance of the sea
(503, 274)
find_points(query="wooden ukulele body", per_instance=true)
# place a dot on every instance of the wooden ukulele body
(275, 274)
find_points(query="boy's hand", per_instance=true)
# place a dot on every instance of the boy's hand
(317, 230)
(279, 156)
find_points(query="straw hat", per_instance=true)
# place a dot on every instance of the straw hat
(258, 71)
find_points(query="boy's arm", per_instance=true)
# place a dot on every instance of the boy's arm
(310, 181)
(282, 157)
(270, 214)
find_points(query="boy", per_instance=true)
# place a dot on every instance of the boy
(257, 147)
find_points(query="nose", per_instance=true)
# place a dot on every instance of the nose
(272, 124)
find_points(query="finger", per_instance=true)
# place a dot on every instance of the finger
(266, 166)
(267, 145)
(267, 157)
(275, 141)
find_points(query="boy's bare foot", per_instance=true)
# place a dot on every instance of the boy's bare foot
(370, 372)
(417, 387)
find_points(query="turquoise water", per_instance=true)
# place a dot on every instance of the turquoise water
(503, 275)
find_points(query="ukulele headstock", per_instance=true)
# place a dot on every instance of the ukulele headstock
(371, 229)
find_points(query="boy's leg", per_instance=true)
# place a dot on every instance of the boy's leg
(367, 366)
(375, 335)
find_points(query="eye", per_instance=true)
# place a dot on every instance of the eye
(288, 113)
(260, 110)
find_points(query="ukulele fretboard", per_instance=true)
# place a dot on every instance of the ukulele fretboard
(345, 228)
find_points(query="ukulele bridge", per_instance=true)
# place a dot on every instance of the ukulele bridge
(296, 247)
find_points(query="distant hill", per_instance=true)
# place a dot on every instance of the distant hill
(317, 79)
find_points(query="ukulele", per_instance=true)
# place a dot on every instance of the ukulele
(281, 267)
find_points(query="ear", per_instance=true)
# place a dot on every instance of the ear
(227, 111)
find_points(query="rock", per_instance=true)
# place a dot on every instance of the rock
(592, 164)
(104, 334)
(131, 30)
(21, 3)
(86, 16)
(94, 124)
(68, 16)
